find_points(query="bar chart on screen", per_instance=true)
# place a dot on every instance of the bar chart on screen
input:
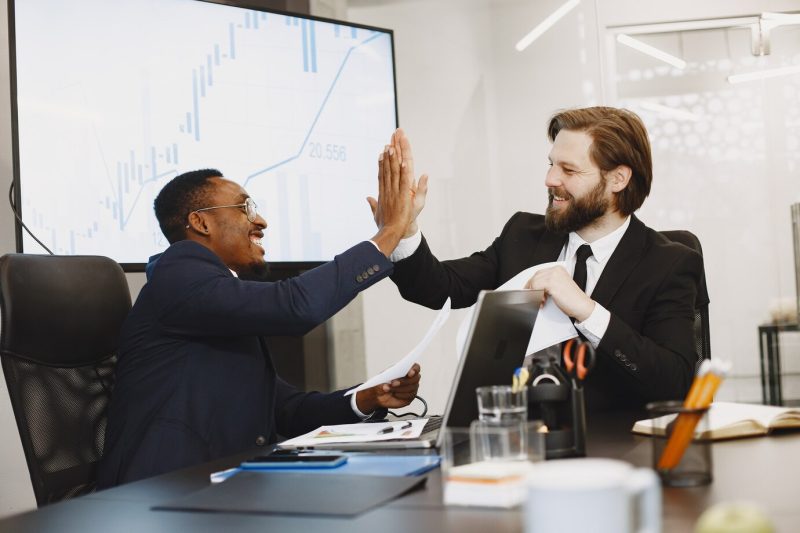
(292, 108)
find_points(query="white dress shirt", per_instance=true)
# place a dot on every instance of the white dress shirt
(594, 327)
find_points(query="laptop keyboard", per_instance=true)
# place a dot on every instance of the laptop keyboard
(433, 423)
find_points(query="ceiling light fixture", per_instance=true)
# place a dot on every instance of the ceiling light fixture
(652, 51)
(782, 18)
(546, 24)
(671, 112)
(762, 74)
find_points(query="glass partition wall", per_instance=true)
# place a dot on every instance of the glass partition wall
(726, 167)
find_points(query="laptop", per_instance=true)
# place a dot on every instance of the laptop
(498, 336)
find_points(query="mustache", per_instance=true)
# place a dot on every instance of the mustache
(558, 191)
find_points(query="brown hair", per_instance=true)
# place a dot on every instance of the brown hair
(618, 138)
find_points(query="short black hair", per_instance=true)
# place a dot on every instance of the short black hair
(182, 195)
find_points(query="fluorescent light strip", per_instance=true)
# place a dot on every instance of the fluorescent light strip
(638, 45)
(673, 112)
(546, 24)
(761, 74)
(786, 18)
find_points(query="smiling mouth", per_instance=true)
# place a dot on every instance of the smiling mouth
(255, 239)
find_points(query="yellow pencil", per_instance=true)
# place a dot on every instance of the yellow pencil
(700, 396)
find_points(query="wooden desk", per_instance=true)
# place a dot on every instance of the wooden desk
(765, 470)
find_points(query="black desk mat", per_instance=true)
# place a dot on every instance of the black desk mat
(296, 494)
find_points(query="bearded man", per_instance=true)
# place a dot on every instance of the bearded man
(633, 293)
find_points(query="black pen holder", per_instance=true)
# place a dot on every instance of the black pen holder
(558, 401)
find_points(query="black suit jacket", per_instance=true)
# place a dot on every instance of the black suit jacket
(195, 381)
(649, 286)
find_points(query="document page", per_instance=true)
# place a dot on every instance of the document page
(401, 368)
(371, 432)
(552, 325)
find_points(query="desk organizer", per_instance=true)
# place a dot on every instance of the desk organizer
(554, 399)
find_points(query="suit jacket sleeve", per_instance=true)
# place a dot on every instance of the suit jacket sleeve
(214, 302)
(658, 360)
(425, 280)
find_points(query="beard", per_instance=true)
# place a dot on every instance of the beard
(579, 213)
(257, 271)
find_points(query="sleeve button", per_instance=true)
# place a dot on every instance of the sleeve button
(260, 440)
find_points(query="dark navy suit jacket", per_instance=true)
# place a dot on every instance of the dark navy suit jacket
(650, 286)
(195, 381)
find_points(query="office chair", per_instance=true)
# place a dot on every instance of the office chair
(702, 333)
(61, 318)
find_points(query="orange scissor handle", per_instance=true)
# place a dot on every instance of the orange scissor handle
(567, 354)
(580, 369)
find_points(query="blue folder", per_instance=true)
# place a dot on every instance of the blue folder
(359, 464)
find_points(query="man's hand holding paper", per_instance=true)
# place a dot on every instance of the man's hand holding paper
(398, 393)
(559, 287)
(397, 385)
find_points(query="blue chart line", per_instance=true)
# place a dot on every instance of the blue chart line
(305, 45)
(316, 117)
(313, 46)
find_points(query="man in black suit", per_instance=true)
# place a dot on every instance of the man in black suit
(194, 379)
(634, 293)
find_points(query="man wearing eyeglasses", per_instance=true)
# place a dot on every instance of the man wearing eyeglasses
(194, 379)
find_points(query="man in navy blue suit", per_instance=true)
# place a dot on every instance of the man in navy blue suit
(194, 380)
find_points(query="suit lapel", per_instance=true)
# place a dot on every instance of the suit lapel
(549, 248)
(624, 259)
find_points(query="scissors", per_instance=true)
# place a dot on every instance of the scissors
(579, 358)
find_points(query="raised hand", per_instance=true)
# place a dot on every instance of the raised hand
(396, 162)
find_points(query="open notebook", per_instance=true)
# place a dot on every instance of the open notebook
(729, 420)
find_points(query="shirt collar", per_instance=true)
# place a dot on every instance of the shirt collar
(603, 247)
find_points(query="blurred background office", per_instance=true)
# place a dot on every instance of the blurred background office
(474, 97)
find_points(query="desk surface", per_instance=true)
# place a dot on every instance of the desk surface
(765, 470)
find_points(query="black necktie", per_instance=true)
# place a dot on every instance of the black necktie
(579, 277)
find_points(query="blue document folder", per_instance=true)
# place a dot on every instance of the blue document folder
(359, 464)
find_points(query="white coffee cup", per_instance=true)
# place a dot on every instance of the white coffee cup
(597, 495)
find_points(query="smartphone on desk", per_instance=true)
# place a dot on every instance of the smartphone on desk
(277, 461)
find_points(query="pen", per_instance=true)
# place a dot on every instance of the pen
(520, 379)
(390, 429)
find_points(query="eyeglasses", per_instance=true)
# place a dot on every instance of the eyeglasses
(249, 207)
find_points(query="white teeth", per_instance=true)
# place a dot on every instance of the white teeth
(560, 199)
(255, 240)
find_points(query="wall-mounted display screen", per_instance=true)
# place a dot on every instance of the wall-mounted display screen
(115, 98)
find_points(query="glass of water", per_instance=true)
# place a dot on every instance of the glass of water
(500, 404)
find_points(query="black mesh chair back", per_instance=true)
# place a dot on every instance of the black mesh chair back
(59, 330)
(702, 334)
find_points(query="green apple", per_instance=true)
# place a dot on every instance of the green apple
(734, 517)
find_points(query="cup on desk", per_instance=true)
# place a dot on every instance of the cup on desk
(486, 464)
(509, 441)
(694, 466)
(597, 495)
(500, 404)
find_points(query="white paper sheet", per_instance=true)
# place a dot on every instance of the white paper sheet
(346, 433)
(552, 325)
(401, 368)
